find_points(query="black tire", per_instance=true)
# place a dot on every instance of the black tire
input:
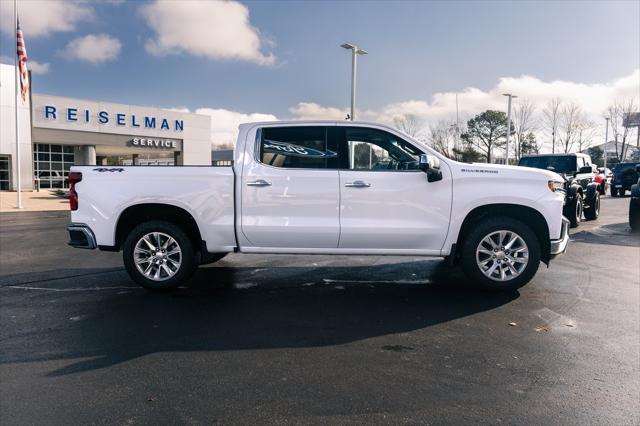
(483, 229)
(187, 257)
(614, 191)
(593, 211)
(574, 210)
(634, 215)
(602, 188)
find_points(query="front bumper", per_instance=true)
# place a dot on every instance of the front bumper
(81, 236)
(559, 246)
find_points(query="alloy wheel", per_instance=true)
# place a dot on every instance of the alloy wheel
(502, 255)
(157, 256)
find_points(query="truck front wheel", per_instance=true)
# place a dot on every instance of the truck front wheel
(592, 212)
(501, 254)
(158, 255)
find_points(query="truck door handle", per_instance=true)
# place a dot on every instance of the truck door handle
(357, 184)
(259, 182)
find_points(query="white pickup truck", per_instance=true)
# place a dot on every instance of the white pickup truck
(322, 188)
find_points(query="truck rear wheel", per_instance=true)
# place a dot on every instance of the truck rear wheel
(159, 256)
(501, 254)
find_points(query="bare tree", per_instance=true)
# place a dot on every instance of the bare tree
(569, 125)
(410, 124)
(586, 132)
(442, 137)
(616, 113)
(551, 115)
(524, 123)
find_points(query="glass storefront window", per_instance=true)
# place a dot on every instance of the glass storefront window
(4, 173)
(51, 167)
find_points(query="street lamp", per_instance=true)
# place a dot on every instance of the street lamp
(510, 96)
(355, 51)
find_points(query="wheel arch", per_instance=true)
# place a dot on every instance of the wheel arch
(528, 215)
(136, 214)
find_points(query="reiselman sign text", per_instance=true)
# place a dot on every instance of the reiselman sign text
(120, 119)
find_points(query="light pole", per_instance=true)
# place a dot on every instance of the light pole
(355, 51)
(510, 96)
(604, 151)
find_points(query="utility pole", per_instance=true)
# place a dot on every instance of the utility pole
(606, 139)
(506, 155)
(355, 51)
(457, 125)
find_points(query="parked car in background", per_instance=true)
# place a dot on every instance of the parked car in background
(322, 188)
(634, 204)
(580, 186)
(624, 176)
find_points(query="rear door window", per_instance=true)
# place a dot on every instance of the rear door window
(299, 147)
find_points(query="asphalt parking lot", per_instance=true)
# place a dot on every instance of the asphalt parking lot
(317, 339)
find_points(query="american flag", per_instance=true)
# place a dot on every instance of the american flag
(22, 63)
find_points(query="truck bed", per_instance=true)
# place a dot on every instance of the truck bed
(205, 192)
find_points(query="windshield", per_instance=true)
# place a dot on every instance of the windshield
(560, 163)
(623, 166)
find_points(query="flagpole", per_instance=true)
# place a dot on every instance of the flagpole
(18, 180)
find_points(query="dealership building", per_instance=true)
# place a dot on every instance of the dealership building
(57, 132)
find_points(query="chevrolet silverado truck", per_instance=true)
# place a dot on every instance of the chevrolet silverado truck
(580, 186)
(340, 188)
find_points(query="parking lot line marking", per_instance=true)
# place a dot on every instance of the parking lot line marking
(330, 281)
(73, 289)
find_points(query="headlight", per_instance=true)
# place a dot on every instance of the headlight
(555, 185)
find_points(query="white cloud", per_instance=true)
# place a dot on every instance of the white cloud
(211, 29)
(314, 111)
(43, 17)
(592, 98)
(93, 48)
(224, 123)
(37, 67)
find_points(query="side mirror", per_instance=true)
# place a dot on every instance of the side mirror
(430, 164)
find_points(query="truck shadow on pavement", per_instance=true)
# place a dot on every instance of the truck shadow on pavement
(236, 308)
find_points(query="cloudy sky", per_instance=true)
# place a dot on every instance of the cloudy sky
(265, 60)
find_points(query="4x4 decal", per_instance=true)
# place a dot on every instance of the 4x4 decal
(108, 169)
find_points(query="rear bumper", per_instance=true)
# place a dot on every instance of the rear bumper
(559, 246)
(81, 236)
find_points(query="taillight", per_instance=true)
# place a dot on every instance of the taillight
(74, 177)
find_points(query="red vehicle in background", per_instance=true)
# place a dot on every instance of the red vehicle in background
(603, 179)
